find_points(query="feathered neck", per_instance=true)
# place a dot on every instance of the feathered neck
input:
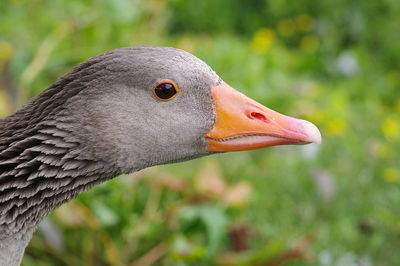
(41, 168)
(42, 164)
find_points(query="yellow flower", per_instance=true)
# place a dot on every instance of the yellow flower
(287, 27)
(336, 126)
(262, 40)
(304, 23)
(309, 44)
(391, 128)
(391, 175)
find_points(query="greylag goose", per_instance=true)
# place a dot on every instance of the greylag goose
(117, 113)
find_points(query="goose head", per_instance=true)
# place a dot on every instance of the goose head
(116, 113)
(144, 106)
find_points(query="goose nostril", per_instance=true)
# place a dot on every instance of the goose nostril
(259, 116)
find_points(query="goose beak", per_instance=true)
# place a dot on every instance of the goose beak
(244, 124)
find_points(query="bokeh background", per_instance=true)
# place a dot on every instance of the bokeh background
(335, 63)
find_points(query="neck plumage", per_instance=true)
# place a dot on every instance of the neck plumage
(40, 171)
(42, 165)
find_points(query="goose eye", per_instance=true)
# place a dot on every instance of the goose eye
(165, 91)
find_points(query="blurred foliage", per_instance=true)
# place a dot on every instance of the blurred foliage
(335, 63)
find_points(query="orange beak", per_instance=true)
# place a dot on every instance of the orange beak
(243, 124)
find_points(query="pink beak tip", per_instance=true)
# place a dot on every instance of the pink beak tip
(313, 133)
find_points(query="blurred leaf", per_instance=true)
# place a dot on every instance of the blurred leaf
(238, 195)
(210, 181)
(106, 216)
(214, 220)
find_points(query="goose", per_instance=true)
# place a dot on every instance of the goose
(116, 113)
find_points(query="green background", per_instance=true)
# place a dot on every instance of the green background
(334, 63)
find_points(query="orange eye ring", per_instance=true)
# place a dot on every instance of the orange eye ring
(165, 90)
